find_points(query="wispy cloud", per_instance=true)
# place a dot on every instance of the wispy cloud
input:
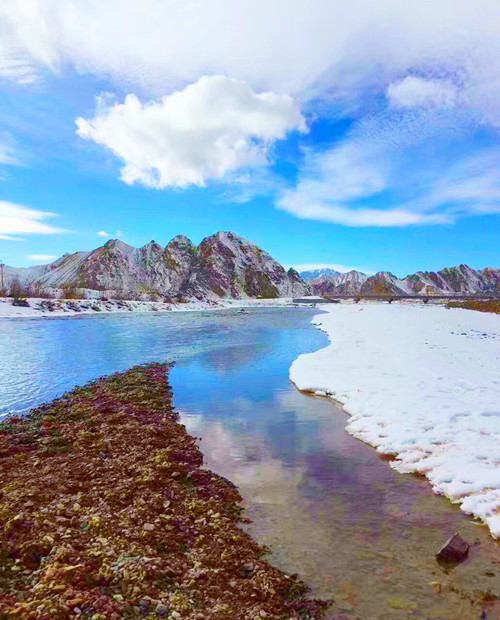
(398, 169)
(19, 69)
(7, 150)
(326, 46)
(42, 258)
(414, 91)
(20, 220)
(334, 184)
(471, 186)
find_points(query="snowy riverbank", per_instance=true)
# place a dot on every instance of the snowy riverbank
(38, 308)
(421, 383)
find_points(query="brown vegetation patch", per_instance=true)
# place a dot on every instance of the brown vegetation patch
(492, 305)
(105, 512)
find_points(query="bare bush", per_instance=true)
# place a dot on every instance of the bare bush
(36, 289)
(17, 290)
(69, 291)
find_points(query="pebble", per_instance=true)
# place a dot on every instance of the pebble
(176, 614)
(161, 609)
(246, 571)
(149, 527)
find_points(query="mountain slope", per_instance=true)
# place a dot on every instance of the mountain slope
(55, 274)
(339, 284)
(223, 265)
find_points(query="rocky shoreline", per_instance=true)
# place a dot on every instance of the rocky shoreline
(45, 308)
(106, 512)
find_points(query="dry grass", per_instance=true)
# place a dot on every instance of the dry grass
(493, 305)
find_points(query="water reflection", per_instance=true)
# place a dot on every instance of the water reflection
(225, 361)
(328, 505)
(40, 359)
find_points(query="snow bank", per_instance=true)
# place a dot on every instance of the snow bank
(38, 308)
(422, 383)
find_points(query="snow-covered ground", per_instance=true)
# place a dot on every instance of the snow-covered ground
(422, 383)
(68, 307)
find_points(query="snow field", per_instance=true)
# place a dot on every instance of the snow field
(423, 384)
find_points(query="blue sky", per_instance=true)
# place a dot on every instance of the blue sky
(341, 134)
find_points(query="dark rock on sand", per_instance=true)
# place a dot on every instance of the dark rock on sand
(455, 549)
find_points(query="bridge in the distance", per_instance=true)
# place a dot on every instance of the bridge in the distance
(390, 298)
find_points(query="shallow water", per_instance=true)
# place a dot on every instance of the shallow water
(328, 506)
(41, 359)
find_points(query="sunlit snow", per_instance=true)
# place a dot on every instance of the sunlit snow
(422, 383)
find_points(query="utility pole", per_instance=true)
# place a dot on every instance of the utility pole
(1, 271)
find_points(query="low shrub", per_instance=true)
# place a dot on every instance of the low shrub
(492, 305)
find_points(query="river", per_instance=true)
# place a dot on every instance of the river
(328, 506)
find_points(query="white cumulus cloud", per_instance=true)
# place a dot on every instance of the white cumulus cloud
(103, 233)
(415, 91)
(212, 127)
(20, 220)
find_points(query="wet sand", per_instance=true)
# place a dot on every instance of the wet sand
(355, 529)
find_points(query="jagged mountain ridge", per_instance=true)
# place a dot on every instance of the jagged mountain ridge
(461, 280)
(314, 274)
(223, 265)
(340, 284)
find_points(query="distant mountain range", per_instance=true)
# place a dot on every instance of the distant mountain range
(462, 280)
(227, 265)
(314, 274)
(223, 265)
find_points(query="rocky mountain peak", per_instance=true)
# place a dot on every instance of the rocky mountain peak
(313, 274)
(228, 265)
(180, 241)
(115, 246)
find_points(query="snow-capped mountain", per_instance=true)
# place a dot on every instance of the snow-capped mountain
(223, 265)
(314, 274)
